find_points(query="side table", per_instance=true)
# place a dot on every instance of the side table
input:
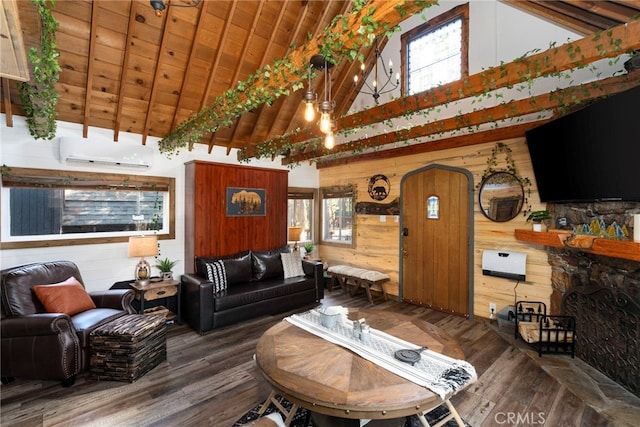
(160, 289)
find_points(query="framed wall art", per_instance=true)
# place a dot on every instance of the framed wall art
(243, 201)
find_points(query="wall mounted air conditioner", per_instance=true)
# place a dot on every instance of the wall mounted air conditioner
(507, 264)
(112, 154)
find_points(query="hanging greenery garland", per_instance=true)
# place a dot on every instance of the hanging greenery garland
(40, 98)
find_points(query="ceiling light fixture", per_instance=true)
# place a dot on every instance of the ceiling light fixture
(159, 6)
(326, 106)
(376, 89)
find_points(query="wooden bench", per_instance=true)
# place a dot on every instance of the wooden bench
(359, 278)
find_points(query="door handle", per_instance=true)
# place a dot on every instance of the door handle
(405, 232)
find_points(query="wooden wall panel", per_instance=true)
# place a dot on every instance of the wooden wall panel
(377, 243)
(208, 229)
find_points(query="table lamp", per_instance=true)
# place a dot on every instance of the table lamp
(142, 246)
(294, 235)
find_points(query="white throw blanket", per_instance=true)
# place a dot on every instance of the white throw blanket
(441, 374)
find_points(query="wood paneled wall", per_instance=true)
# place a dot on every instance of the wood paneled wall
(208, 229)
(377, 242)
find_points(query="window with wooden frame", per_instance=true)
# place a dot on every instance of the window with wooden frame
(436, 52)
(302, 211)
(60, 208)
(337, 209)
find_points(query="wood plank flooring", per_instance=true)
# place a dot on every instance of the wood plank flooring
(212, 380)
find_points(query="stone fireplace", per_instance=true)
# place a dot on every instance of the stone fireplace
(602, 292)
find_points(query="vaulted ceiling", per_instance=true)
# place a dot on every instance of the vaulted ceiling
(128, 70)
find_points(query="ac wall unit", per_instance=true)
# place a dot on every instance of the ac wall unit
(82, 151)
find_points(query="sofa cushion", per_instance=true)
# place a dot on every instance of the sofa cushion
(237, 267)
(67, 297)
(217, 275)
(249, 293)
(267, 264)
(292, 264)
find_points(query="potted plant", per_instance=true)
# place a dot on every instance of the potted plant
(538, 218)
(308, 248)
(165, 266)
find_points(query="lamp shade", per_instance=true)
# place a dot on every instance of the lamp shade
(142, 246)
(294, 233)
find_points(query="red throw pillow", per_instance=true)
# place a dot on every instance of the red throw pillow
(67, 297)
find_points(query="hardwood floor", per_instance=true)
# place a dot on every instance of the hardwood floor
(212, 380)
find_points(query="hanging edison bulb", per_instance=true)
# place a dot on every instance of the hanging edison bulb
(329, 141)
(309, 111)
(310, 100)
(325, 117)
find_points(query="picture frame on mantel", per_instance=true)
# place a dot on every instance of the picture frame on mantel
(242, 201)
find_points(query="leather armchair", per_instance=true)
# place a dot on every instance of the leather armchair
(50, 346)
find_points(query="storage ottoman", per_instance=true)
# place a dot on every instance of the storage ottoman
(128, 347)
(506, 322)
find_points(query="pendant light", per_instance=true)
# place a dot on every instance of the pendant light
(326, 106)
(310, 98)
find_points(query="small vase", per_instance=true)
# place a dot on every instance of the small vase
(166, 275)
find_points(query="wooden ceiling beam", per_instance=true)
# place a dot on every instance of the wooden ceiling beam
(124, 71)
(89, 83)
(247, 42)
(156, 75)
(544, 12)
(491, 135)
(612, 10)
(6, 97)
(216, 63)
(200, 27)
(573, 11)
(263, 61)
(508, 110)
(555, 59)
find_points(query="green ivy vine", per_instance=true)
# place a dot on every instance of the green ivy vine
(40, 98)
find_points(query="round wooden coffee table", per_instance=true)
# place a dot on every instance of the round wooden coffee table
(328, 379)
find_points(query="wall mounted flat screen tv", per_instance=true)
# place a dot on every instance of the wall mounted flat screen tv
(592, 154)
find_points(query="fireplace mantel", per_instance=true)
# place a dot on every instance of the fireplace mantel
(625, 249)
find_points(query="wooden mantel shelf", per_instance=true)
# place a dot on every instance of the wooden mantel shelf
(625, 249)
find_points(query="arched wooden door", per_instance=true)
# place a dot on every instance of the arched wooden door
(436, 239)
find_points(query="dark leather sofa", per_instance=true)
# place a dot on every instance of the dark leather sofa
(255, 286)
(49, 346)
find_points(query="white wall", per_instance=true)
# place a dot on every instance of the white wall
(102, 265)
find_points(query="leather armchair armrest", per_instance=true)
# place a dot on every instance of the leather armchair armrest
(315, 269)
(39, 324)
(119, 299)
(197, 302)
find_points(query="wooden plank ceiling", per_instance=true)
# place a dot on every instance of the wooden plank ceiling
(126, 69)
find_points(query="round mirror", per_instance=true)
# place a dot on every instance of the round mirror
(501, 196)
